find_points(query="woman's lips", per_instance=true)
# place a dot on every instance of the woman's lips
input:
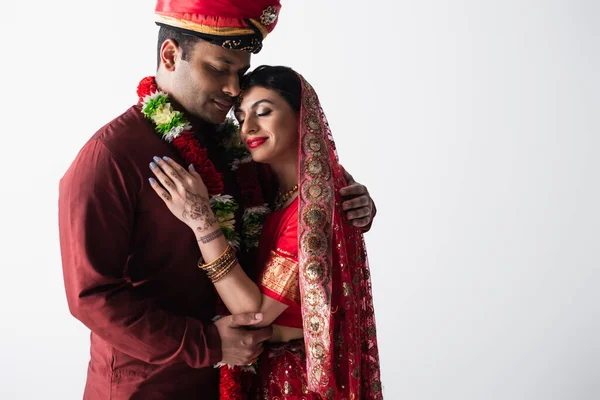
(255, 142)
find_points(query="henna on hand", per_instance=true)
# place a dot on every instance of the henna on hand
(197, 208)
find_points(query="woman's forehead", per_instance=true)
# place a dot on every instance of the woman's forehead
(256, 95)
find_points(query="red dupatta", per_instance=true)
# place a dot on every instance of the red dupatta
(335, 285)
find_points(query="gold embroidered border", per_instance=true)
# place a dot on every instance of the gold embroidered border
(209, 30)
(315, 247)
(281, 276)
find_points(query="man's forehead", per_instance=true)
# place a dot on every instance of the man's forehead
(233, 58)
(244, 62)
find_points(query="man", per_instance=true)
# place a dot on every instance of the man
(128, 263)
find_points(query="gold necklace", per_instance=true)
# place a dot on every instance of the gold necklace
(282, 198)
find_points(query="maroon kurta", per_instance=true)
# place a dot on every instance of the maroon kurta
(130, 272)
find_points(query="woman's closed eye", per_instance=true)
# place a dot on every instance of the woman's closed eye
(263, 113)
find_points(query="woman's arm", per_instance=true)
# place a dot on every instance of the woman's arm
(187, 198)
(238, 292)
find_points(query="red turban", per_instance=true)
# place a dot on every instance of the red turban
(232, 24)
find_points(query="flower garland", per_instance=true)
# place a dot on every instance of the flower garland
(255, 209)
(174, 128)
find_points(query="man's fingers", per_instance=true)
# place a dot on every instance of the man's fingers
(362, 201)
(246, 319)
(261, 335)
(359, 213)
(256, 354)
(356, 189)
(159, 190)
(361, 222)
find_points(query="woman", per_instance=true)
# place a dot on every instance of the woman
(314, 284)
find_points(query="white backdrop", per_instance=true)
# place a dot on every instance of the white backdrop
(474, 124)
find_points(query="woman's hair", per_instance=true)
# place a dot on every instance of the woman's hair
(283, 80)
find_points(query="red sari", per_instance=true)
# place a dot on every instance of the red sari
(315, 262)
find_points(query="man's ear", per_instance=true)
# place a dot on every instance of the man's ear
(169, 52)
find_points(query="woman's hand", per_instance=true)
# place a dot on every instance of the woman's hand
(184, 193)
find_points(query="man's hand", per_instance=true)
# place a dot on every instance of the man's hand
(358, 204)
(239, 344)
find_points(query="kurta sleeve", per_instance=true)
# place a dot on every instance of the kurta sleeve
(96, 213)
(279, 279)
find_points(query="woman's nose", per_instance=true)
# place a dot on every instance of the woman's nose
(248, 127)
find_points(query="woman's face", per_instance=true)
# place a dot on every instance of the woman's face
(268, 126)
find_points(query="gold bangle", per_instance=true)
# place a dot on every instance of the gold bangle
(202, 264)
(221, 266)
(220, 262)
(222, 273)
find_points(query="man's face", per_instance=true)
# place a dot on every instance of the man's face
(206, 83)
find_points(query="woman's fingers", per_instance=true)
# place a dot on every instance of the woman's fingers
(177, 178)
(166, 181)
(190, 176)
(183, 174)
(171, 172)
(159, 190)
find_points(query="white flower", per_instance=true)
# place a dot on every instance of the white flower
(236, 163)
(248, 368)
(244, 368)
(154, 95)
(163, 114)
(260, 210)
(227, 221)
(221, 198)
(174, 133)
(147, 99)
(234, 243)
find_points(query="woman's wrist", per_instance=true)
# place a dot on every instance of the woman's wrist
(204, 223)
(208, 235)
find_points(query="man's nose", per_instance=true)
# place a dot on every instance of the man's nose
(232, 87)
